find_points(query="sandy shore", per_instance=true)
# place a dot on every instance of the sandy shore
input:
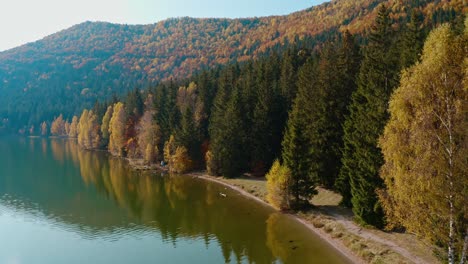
(335, 243)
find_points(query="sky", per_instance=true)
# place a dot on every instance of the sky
(23, 21)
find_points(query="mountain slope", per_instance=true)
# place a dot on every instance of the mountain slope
(72, 68)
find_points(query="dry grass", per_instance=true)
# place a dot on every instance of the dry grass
(326, 198)
(254, 186)
(369, 251)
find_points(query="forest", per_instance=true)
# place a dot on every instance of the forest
(68, 71)
(383, 123)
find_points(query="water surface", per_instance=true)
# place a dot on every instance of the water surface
(60, 204)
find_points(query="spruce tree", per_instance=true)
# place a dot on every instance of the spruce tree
(412, 42)
(231, 141)
(188, 136)
(323, 125)
(218, 123)
(289, 68)
(348, 63)
(266, 124)
(362, 157)
(296, 143)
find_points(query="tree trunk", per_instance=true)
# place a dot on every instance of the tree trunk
(465, 245)
(451, 249)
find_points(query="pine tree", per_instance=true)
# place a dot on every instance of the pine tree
(362, 158)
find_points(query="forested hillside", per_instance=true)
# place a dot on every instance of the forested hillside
(69, 70)
(373, 107)
(309, 118)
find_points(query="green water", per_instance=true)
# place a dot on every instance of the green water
(59, 204)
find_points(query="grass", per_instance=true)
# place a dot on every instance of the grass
(327, 201)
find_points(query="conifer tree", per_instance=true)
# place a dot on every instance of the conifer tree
(296, 143)
(227, 136)
(188, 136)
(362, 158)
(412, 41)
(267, 124)
(349, 59)
(289, 69)
(218, 122)
(324, 125)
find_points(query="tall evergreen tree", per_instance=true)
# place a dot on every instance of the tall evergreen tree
(289, 69)
(324, 123)
(188, 136)
(412, 42)
(231, 141)
(296, 143)
(362, 157)
(267, 125)
(217, 126)
(349, 59)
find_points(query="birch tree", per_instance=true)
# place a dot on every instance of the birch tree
(117, 123)
(425, 146)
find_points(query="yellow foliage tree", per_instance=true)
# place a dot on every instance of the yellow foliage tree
(181, 162)
(117, 130)
(105, 123)
(73, 131)
(278, 186)
(44, 129)
(149, 135)
(88, 130)
(425, 145)
(57, 128)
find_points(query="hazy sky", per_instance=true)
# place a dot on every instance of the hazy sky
(23, 21)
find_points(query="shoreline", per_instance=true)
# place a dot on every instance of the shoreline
(355, 243)
(334, 243)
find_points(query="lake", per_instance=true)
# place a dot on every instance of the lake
(60, 204)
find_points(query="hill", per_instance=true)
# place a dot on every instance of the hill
(69, 70)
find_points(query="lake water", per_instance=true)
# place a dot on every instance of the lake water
(59, 204)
